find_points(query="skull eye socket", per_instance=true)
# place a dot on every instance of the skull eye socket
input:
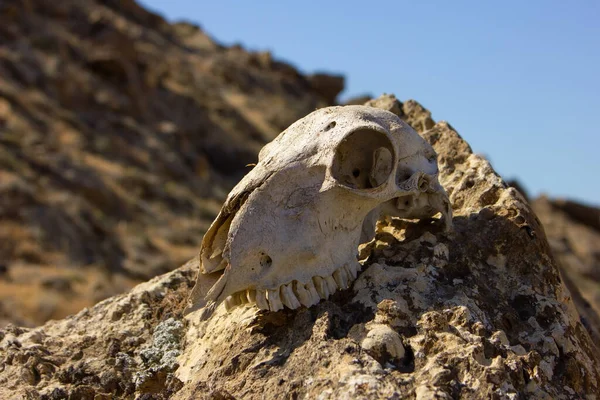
(363, 160)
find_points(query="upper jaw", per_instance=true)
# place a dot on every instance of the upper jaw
(421, 196)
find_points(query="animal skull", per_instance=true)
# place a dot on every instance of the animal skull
(288, 233)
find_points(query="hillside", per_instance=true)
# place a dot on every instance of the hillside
(120, 135)
(573, 231)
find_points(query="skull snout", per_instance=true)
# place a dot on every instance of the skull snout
(419, 182)
(424, 183)
(422, 196)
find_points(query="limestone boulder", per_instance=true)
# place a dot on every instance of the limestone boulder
(481, 312)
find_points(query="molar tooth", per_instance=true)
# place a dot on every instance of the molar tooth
(241, 297)
(321, 287)
(251, 295)
(341, 278)
(228, 303)
(352, 270)
(331, 284)
(261, 300)
(313, 292)
(302, 294)
(288, 298)
(232, 301)
(274, 300)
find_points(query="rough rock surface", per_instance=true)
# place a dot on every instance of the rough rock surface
(478, 313)
(410, 111)
(573, 231)
(120, 135)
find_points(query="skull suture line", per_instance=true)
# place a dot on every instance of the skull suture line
(288, 233)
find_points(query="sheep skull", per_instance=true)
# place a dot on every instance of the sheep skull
(288, 233)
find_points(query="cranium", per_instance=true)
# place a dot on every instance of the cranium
(288, 233)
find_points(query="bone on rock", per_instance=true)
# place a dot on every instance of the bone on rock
(288, 233)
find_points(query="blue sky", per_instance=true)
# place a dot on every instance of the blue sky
(519, 80)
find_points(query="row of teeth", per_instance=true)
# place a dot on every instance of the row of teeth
(296, 294)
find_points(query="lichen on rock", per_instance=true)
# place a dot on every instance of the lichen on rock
(160, 358)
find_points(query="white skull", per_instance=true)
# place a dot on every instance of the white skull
(288, 233)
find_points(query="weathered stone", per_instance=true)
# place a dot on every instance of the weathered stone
(326, 85)
(482, 313)
(574, 237)
(410, 111)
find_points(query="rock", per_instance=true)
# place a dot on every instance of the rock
(574, 237)
(581, 213)
(328, 86)
(160, 358)
(387, 102)
(411, 111)
(58, 283)
(519, 186)
(481, 313)
(383, 344)
(357, 100)
(575, 240)
(417, 116)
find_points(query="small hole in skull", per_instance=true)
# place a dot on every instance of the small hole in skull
(404, 203)
(403, 177)
(265, 260)
(330, 126)
(356, 173)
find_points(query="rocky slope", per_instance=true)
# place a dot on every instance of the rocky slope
(481, 312)
(120, 134)
(574, 235)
